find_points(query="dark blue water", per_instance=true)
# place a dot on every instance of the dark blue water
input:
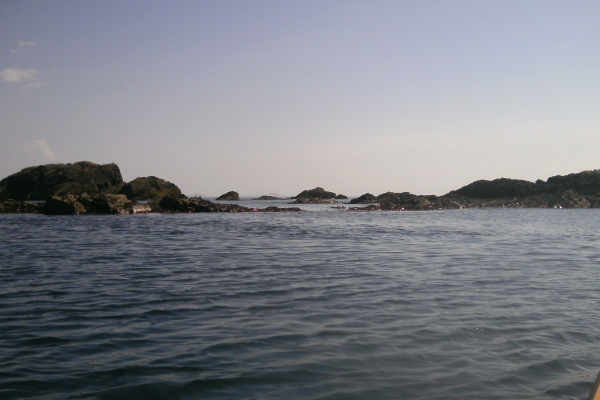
(471, 304)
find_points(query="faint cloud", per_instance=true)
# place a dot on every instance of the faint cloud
(15, 75)
(39, 148)
(21, 44)
(21, 75)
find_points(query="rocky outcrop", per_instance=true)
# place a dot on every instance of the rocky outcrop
(37, 183)
(87, 204)
(229, 196)
(149, 188)
(341, 197)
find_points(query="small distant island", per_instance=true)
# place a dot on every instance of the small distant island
(88, 188)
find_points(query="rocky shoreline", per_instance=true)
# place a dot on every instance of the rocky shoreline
(89, 188)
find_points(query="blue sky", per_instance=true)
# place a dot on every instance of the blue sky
(277, 97)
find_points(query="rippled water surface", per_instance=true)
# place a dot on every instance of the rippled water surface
(464, 304)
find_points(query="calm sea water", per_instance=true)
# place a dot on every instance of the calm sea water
(463, 304)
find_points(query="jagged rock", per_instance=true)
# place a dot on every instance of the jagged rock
(37, 183)
(197, 204)
(229, 196)
(87, 204)
(149, 188)
(366, 198)
(105, 203)
(63, 205)
(20, 206)
(176, 204)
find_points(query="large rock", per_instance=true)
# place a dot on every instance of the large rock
(37, 183)
(149, 188)
(229, 196)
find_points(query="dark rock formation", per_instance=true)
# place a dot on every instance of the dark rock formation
(87, 204)
(149, 188)
(37, 183)
(341, 197)
(106, 203)
(229, 196)
(63, 205)
(19, 206)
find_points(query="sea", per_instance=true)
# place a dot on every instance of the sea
(323, 304)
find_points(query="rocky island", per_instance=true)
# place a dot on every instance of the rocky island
(88, 188)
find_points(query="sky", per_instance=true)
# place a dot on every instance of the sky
(274, 97)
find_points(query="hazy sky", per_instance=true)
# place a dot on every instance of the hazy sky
(280, 96)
